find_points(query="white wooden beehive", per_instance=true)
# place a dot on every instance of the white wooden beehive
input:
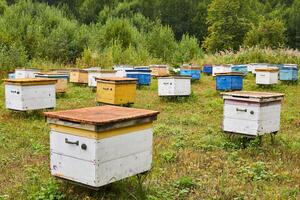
(30, 94)
(25, 73)
(252, 113)
(254, 66)
(121, 70)
(221, 69)
(174, 86)
(267, 76)
(100, 145)
(93, 74)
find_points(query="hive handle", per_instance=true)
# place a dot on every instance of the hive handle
(241, 110)
(68, 142)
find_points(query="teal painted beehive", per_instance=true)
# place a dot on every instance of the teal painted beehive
(288, 72)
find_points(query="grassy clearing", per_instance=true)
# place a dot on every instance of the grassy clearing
(192, 158)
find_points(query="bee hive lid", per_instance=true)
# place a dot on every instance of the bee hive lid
(267, 69)
(253, 96)
(27, 69)
(101, 115)
(230, 74)
(116, 79)
(79, 70)
(30, 81)
(175, 77)
(51, 75)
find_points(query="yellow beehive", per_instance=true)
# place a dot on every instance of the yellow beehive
(79, 76)
(116, 90)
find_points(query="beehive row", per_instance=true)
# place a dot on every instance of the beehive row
(100, 145)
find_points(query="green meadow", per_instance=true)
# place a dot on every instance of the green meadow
(192, 157)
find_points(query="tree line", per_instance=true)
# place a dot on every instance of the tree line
(105, 32)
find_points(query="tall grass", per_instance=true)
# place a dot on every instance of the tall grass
(253, 55)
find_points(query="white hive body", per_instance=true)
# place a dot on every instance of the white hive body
(25, 73)
(250, 115)
(174, 86)
(98, 155)
(267, 76)
(30, 97)
(221, 69)
(254, 66)
(94, 74)
(121, 70)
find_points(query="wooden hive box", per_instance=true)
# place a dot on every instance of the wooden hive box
(159, 70)
(240, 69)
(252, 113)
(61, 85)
(143, 75)
(121, 70)
(174, 86)
(254, 66)
(79, 76)
(116, 90)
(189, 70)
(30, 94)
(217, 69)
(94, 74)
(25, 73)
(267, 76)
(11, 75)
(229, 81)
(100, 145)
(207, 69)
(288, 72)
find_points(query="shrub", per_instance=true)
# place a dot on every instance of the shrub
(268, 33)
(161, 42)
(187, 50)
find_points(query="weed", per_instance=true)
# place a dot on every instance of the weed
(48, 191)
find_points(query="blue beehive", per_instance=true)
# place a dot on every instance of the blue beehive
(11, 75)
(143, 75)
(240, 69)
(207, 69)
(288, 72)
(229, 81)
(193, 72)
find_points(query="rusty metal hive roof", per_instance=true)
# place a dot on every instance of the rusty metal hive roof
(101, 115)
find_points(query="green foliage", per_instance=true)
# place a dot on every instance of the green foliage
(13, 55)
(48, 191)
(188, 49)
(257, 172)
(119, 30)
(228, 23)
(268, 33)
(185, 182)
(3, 6)
(293, 25)
(254, 55)
(161, 42)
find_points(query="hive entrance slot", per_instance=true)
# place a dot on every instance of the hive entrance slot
(244, 97)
